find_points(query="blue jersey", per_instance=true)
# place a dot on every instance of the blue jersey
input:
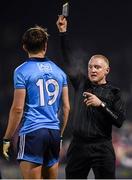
(43, 81)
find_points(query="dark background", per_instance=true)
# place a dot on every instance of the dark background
(94, 26)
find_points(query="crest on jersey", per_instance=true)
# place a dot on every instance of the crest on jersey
(45, 67)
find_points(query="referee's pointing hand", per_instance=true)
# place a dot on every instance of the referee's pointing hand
(91, 99)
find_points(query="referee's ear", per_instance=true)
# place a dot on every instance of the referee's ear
(107, 71)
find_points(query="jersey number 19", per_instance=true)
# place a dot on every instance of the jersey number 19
(40, 83)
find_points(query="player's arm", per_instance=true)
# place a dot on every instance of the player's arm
(65, 108)
(16, 112)
(15, 116)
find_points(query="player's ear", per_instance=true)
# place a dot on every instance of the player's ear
(24, 48)
(45, 47)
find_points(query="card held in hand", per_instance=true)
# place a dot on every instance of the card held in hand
(65, 9)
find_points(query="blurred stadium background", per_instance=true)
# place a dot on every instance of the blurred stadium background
(94, 27)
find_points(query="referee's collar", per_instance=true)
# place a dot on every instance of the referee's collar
(101, 85)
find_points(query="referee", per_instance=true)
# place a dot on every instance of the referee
(97, 107)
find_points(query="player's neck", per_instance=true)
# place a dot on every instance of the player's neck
(37, 55)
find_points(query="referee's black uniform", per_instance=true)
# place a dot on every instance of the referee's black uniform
(91, 146)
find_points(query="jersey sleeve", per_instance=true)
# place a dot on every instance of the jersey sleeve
(19, 80)
(65, 80)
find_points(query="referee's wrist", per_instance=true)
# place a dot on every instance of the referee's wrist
(103, 104)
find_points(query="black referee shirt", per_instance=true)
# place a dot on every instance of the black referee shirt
(92, 122)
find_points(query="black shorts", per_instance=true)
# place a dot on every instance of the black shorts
(40, 146)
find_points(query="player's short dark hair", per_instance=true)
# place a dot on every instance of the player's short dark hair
(34, 39)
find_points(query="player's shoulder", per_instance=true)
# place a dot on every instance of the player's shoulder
(21, 67)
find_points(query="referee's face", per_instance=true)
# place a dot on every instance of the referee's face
(97, 70)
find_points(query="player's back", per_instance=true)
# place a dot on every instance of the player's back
(43, 81)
